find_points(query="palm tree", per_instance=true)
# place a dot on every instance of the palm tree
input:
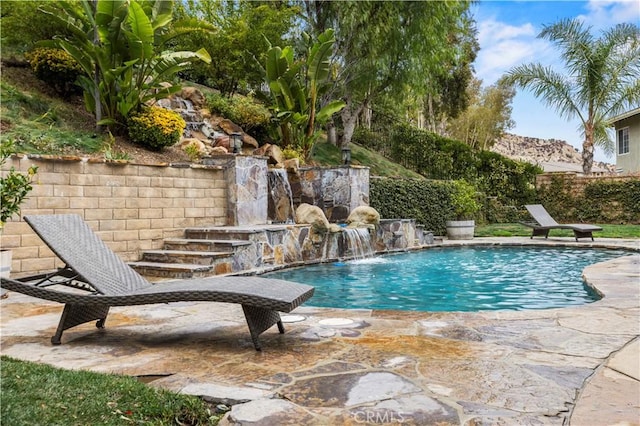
(602, 80)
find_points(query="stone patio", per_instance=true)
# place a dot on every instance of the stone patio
(578, 365)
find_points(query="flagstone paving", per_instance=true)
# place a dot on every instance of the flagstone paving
(577, 365)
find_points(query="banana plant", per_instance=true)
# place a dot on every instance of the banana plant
(122, 46)
(295, 87)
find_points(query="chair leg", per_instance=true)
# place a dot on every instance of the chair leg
(582, 234)
(259, 320)
(74, 314)
(540, 233)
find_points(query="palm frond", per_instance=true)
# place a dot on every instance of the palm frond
(549, 86)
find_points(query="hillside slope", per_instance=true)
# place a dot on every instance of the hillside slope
(41, 122)
(539, 151)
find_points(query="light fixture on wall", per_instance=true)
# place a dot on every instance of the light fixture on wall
(346, 156)
(236, 142)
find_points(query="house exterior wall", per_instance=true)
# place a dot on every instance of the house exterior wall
(131, 207)
(629, 162)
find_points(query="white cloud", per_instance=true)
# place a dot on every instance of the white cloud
(504, 46)
(604, 14)
(497, 31)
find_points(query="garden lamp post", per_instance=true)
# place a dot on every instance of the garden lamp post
(346, 156)
(236, 142)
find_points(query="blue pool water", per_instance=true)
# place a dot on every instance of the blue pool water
(456, 279)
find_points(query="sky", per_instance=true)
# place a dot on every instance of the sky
(507, 32)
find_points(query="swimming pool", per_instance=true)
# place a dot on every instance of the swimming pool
(455, 279)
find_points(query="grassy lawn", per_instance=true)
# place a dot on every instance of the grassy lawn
(517, 230)
(326, 154)
(39, 394)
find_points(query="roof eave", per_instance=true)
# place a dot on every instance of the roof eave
(623, 116)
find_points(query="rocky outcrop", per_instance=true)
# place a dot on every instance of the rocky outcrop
(209, 134)
(539, 151)
(363, 216)
(313, 215)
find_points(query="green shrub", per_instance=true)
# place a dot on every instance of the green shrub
(155, 127)
(373, 141)
(557, 198)
(506, 184)
(14, 186)
(289, 153)
(222, 105)
(495, 211)
(511, 182)
(246, 112)
(437, 157)
(429, 202)
(464, 200)
(56, 68)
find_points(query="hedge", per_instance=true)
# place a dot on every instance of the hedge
(426, 201)
(601, 201)
(505, 184)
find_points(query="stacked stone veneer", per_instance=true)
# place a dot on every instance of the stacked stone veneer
(246, 179)
(131, 207)
(337, 191)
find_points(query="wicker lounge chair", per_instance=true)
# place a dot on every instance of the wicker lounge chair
(544, 223)
(95, 278)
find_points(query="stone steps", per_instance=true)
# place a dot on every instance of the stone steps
(192, 244)
(223, 233)
(172, 270)
(185, 256)
(196, 257)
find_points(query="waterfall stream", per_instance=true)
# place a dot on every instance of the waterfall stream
(358, 242)
(280, 206)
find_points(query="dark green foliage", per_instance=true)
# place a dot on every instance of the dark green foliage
(602, 201)
(610, 202)
(240, 44)
(496, 212)
(431, 155)
(131, 60)
(505, 182)
(429, 202)
(14, 186)
(23, 25)
(56, 68)
(246, 112)
(373, 141)
(436, 157)
(557, 198)
(511, 182)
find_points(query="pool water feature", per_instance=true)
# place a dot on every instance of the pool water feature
(455, 279)
(358, 242)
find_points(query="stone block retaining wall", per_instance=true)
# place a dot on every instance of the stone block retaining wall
(131, 207)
